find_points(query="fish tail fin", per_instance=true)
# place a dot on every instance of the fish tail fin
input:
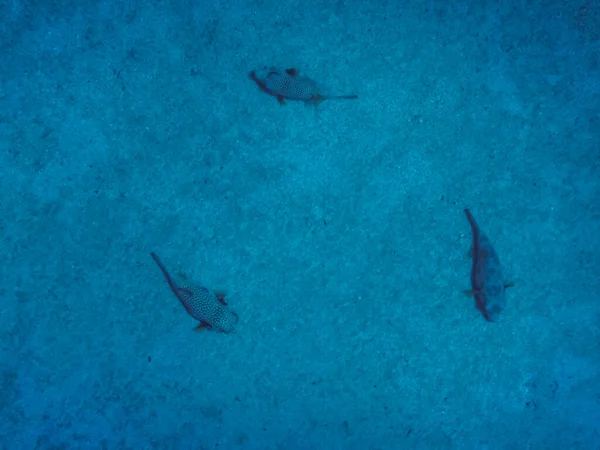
(161, 266)
(342, 97)
(318, 98)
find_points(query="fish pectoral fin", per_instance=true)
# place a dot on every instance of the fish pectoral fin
(220, 295)
(203, 325)
(316, 99)
(281, 100)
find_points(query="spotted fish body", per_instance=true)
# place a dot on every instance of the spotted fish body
(487, 282)
(209, 308)
(289, 85)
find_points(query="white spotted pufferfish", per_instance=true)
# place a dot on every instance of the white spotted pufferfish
(288, 84)
(209, 308)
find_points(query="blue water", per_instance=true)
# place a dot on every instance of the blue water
(339, 234)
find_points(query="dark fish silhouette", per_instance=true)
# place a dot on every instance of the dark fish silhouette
(487, 282)
(289, 85)
(209, 308)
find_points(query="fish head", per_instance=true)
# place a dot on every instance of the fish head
(495, 300)
(270, 77)
(225, 320)
(287, 84)
(272, 82)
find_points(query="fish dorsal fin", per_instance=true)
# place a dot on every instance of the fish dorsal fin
(292, 72)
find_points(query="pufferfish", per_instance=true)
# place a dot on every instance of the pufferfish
(289, 85)
(209, 308)
(487, 281)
